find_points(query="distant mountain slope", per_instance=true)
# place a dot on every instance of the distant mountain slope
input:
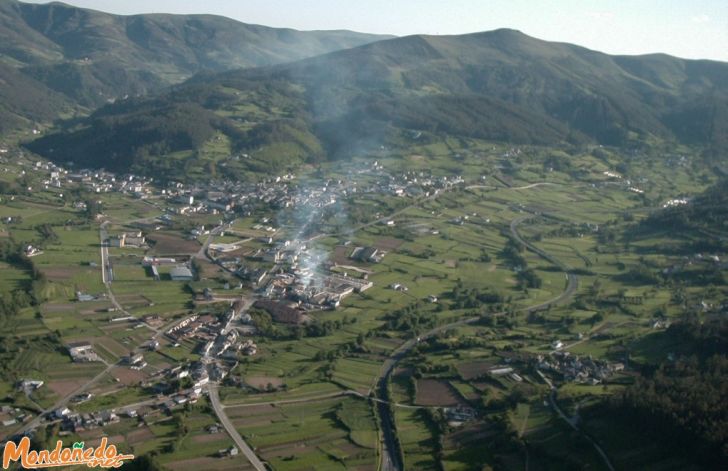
(500, 85)
(22, 96)
(91, 57)
(706, 212)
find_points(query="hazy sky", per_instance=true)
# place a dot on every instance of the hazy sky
(685, 28)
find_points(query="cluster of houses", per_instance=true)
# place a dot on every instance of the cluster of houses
(573, 368)
(229, 343)
(628, 184)
(27, 386)
(74, 422)
(82, 352)
(282, 312)
(418, 184)
(312, 290)
(128, 239)
(196, 327)
(219, 340)
(96, 181)
(299, 275)
(675, 202)
(32, 251)
(243, 197)
(698, 259)
(457, 416)
(178, 272)
(136, 361)
(12, 415)
(326, 291)
(285, 191)
(367, 254)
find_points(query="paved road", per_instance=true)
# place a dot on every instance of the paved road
(573, 425)
(106, 273)
(106, 278)
(65, 400)
(572, 284)
(202, 253)
(572, 281)
(231, 430)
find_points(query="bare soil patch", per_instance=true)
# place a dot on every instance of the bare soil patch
(113, 346)
(131, 301)
(261, 382)
(388, 243)
(469, 434)
(209, 270)
(95, 440)
(472, 369)
(209, 437)
(127, 376)
(141, 435)
(51, 308)
(60, 273)
(403, 372)
(251, 411)
(284, 448)
(287, 450)
(392, 343)
(341, 255)
(165, 243)
(64, 387)
(349, 448)
(435, 392)
(220, 464)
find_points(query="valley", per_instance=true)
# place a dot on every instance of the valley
(230, 246)
(482, 296)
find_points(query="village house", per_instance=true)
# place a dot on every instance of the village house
(181, 273)
(367, 254)
(127, 239)
(82, 352)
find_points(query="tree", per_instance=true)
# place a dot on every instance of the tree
(142, 463)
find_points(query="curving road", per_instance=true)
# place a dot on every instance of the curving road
(572, 281)
(391, 459)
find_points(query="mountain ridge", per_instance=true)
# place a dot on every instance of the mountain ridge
(500, 85)
(90, 57)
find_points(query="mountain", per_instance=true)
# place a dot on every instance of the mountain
(705, 214)
(22, 96)
(499, 85)
(86, 57)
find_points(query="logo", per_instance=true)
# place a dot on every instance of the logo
(103, 456)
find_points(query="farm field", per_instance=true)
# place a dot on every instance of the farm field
(480, 295)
